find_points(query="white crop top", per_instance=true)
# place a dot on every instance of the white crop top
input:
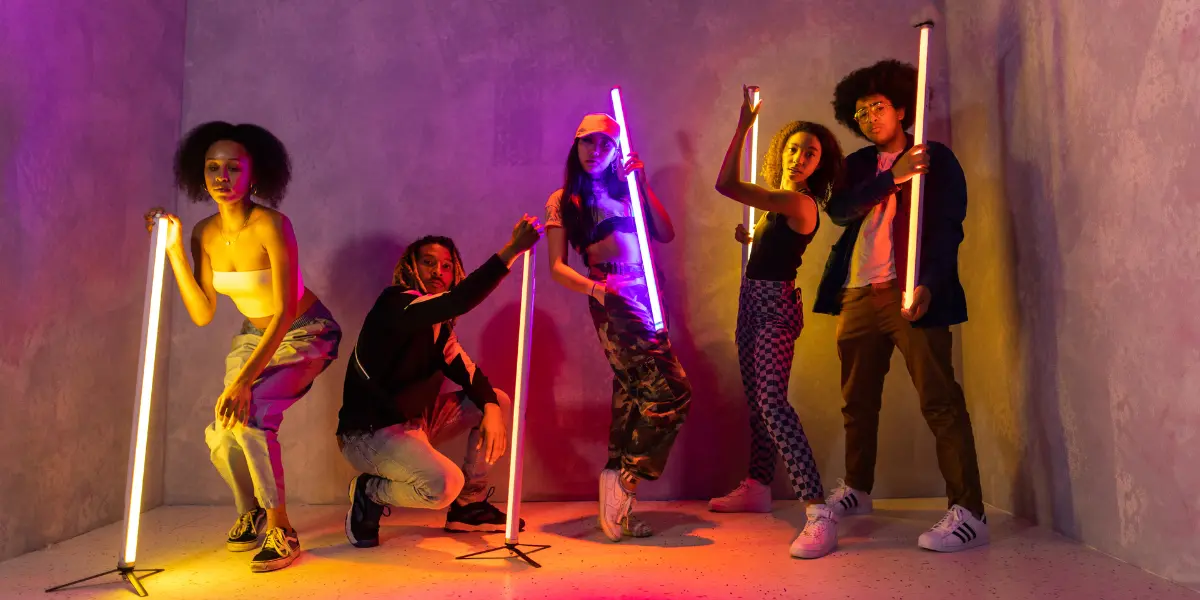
(250, 290)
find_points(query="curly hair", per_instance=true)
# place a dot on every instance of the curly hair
(405, 273)
(271, 168)
(892, 79)
(829, 170)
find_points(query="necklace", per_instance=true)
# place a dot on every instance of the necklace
(239, 231)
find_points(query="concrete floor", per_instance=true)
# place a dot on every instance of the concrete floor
(697, 554)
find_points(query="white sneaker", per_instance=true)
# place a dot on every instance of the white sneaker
(615, 504)
(846, 500)
(958, 530)
(819, 536)
(751, 496)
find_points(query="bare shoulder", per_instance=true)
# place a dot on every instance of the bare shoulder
(266, 219)
(206, 227)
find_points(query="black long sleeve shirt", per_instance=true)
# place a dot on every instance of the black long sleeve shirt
(406, 350)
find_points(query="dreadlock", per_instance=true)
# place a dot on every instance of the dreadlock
(405, 273)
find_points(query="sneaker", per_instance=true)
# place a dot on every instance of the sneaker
(846, 501)
(958, 530)
(279, 549)
(362, 520)
(479, 516)
(751, 496)
(615, 504)
(635, 527)
(819, 536)
(244, 534)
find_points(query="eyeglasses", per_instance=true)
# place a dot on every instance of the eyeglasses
(871, 110)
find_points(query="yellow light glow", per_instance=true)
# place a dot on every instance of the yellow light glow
(512, 527)
(750, 217)
(917, 189)
(145, 391)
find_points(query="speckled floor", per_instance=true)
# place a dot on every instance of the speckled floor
(697, 554)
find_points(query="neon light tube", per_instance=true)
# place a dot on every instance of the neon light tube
(749, 212)
(639, 219)
(152, 311)
(917, 189)
(512, 525)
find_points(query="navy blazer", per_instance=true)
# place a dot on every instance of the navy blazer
(943, 212)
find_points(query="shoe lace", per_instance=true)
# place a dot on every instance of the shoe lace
(816, 525)
(244, 523)
(949, 521)
(742, 489)
(841, 491)
(278, 542)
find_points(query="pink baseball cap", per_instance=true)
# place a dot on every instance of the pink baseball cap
(599, 123)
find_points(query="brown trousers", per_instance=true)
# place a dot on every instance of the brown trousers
(869, 327)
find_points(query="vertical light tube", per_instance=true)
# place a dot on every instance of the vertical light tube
(917, 189)
(748, 213)
(639, 218)
(512, 528)
(152, 311)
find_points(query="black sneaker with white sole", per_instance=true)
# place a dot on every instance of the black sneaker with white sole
(279, 549)
(244, 534)
(477, 516)
(362, 520)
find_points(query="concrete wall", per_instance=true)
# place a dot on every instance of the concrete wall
(1077, 126)
(408, 118)
(90, 99)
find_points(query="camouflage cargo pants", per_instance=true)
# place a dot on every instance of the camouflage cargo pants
(651, 392)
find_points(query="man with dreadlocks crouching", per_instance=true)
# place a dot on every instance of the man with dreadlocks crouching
(392, 409)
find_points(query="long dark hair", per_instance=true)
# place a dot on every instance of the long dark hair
(577, 197)
(829, 169)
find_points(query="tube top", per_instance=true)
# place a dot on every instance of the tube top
(249, 290)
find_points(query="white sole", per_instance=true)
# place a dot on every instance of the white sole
(975, 543)
(613, 534)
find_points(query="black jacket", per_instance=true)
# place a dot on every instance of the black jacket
(944, 209)
(406, 350)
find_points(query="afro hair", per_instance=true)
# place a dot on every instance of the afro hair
(271, 168)
(892, 79)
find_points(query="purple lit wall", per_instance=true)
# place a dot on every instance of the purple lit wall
(408, 118)
(1077, 127)
(90, 97)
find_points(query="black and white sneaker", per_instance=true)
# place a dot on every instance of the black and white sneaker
(477, 516)
(958, 530)
(846, 500)
(362, 520)
(244, 534)
(280, 549)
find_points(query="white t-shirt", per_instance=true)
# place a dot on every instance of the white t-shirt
(874, 259)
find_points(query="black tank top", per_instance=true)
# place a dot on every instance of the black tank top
(778, 249)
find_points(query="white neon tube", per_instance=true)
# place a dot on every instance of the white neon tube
(152, 310)
(639, 219)
(512, 527)
(749, 212)
(917, 189)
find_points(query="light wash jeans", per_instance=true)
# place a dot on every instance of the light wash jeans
(413, 473)
(248, 456)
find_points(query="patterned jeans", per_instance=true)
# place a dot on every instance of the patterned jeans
(248, 457)
(770, 317)
(651, 392)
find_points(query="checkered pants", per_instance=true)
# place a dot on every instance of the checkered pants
(770, 317)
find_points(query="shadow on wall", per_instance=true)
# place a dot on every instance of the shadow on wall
(358, 273)
(1044, 485)
(553, 435)
(694, 454)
